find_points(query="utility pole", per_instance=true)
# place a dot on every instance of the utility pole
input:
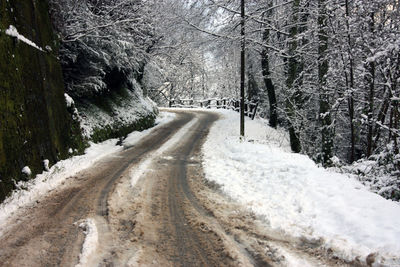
(242, 69)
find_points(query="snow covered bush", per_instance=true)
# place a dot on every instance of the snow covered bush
(380, 173)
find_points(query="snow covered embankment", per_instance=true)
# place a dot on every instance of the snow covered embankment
(293, 195)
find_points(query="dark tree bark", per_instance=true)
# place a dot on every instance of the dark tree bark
(273, 105)
(381, 117)
(252, 90)
(293, 102)
(370, 78)
(350, 88)
(324, 104)
(242, 69)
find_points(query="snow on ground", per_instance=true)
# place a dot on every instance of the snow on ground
(378, 173)
(31, 191)
(295, 196)
(12, 31)
(43, 183)
(91, 241)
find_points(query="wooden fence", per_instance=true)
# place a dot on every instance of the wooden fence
(250, 108)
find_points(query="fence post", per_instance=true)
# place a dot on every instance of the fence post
(254, 111)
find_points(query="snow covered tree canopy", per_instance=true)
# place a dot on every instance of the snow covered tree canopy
(104, 43)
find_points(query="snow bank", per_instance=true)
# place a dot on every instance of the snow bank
(32, 190)
(297, 197)
(91, 241)
(12, 31)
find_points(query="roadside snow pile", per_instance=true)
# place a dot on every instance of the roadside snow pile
(294, 196)
(91, 241)
(31, 191)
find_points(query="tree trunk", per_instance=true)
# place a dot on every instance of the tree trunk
(396, 126)
(252, 86)
(242, 69)
(350, 99)
(293, 101)
(324, 103)
(370, 77)
(273, 114)
(381, 117)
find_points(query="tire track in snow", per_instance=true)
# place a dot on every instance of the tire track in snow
(144, 166)
(35, 240)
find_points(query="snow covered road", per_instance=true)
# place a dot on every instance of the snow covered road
(189, 193)
(47, 233)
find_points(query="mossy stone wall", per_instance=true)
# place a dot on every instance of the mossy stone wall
(34, 121)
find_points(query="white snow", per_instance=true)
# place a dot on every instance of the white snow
(12, 31)
(31, 191)
(26, 170)
(69, 100)
(295, 196)
(46, 164)
(91, 241)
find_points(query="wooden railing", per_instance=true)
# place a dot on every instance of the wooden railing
(250, 108)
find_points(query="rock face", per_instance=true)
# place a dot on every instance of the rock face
(35, 123)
